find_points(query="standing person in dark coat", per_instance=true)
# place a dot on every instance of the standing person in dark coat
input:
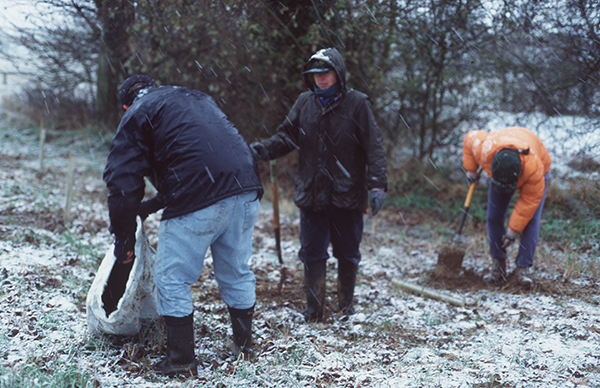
(208, 185)
(341, 157)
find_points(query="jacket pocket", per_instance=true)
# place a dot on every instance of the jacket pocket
(348, 194)
(251, 210)
(202, 222)
(304, 183)
(343, 184)
(302, 193)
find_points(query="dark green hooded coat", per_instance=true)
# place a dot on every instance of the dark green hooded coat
(340, 146)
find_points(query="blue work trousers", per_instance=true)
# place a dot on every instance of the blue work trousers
(496, 217)
(342, 228)
(226, 227)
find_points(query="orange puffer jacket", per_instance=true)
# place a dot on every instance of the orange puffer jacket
(479, 148)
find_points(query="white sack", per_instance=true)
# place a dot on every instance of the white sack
(139, 301)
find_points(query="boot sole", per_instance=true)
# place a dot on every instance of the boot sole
(172, 370)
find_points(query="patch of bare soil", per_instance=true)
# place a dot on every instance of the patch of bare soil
(449, 261)
(51, 222)
(469, 281)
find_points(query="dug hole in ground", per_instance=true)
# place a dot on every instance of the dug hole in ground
(504, 336)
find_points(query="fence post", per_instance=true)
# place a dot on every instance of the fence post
(42, 142)
(69, 188)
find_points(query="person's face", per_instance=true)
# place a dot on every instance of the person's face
(325, 80)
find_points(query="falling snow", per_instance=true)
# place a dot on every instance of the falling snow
(503, 336)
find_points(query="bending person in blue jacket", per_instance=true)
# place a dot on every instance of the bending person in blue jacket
(208, 184)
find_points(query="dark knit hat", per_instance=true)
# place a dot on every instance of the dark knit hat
(130, 88)
(506, 167)
(318, 66)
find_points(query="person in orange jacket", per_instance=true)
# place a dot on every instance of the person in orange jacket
(515, 159)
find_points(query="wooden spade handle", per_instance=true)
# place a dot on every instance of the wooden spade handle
(466, 206)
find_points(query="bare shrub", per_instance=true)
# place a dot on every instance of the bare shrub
(59, 108)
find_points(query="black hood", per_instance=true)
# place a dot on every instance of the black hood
(334, 59)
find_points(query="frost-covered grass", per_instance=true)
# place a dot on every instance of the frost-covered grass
(429, 205)
(505, 337)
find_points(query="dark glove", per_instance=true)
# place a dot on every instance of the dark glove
(472, 177)
(125, 249)
(508, 238)
(150, 206)
(260, 151)
(378, 197)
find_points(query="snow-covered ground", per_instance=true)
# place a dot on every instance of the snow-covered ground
(503, 337)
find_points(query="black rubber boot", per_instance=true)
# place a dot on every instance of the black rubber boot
(180, 357)
(241, 323)
(314, 282)
(346, 282)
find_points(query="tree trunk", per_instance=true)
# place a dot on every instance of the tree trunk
(115, 16)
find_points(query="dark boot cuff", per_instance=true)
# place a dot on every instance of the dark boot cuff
(241, 313)
(179, 321)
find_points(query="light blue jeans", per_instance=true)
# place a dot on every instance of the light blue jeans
(226, 227)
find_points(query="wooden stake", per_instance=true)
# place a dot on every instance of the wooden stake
(69, 188)
(422, 290)
(42, 142)
(276, 225)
